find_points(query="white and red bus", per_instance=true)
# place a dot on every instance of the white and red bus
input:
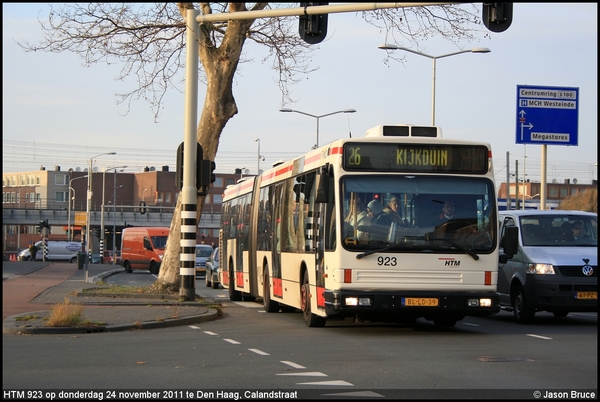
(289, 235)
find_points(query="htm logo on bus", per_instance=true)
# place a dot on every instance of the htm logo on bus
(450, 262)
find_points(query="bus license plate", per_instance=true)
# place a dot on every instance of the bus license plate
(586, 295)
(419, 302)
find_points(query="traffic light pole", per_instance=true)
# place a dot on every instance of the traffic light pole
(187, 243)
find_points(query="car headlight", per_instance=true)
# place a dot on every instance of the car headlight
(540, 269)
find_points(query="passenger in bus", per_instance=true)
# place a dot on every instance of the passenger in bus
(447, 212)
(381, 221)
(392, 210)
(358, 211)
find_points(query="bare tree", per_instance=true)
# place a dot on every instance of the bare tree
(148, 41)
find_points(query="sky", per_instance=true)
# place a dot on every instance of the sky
(58, 113)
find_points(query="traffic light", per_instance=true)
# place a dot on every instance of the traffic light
(313, 28)
(142, 207)
(199, 157)
(497, 17)
(40, 226)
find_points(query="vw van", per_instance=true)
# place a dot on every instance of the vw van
(553, 270)
(143, 248)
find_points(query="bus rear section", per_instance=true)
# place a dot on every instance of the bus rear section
(357, 229)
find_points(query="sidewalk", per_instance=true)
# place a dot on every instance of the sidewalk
(30, 289)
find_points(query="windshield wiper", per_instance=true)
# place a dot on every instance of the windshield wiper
(366, 253)
(461, 248)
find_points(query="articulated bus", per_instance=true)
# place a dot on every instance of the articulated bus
(297, 235)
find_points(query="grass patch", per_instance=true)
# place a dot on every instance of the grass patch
(28, 317)
(66, 314)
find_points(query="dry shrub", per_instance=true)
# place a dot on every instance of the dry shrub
(65, 314)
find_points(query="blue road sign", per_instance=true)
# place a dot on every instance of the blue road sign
(547, 115)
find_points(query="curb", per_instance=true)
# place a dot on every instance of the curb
(10, 325)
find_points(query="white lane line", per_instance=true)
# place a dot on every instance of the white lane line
(306, 374)
(259, 352)
(538, 336)
(334, 383)
(194, 327)
(294, 365)
(471, 324)
(210, 333)
(231, 341)
(358, 394)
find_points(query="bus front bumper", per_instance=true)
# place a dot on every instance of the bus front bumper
(348, 303)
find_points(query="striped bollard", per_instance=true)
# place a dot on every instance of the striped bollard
(187, 252)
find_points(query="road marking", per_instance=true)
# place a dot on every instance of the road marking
(306, 374)
(259, 352)
(194, 327)
(538, 336)
(359, 394)
(335, 383)
(210, 333)
(294, 365)
(471, 324)
(231, 341)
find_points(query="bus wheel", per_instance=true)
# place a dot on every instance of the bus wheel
(310, 319)
(269, 305)
(234, 295)
(154, 268)
(127, 266)
(523, 313)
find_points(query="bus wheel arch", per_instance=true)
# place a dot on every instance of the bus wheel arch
(310, 319)
(270, 306)
(234, 295)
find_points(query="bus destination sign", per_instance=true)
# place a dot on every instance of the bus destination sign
(416, 158)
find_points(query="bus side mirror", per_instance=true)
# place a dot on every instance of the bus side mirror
(322, 195)
(510, 243)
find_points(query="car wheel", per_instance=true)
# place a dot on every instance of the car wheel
(523, 313)
(127, 267)
(270, 306)
(206, 280)
(154, 268)
(310, 319)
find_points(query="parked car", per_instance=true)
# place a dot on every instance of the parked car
(555, 268)
(212, 269)
(203, 252)
(108, 257)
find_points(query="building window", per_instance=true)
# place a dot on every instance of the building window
(160, 196)
(60, 196)
(574, 191)
(564, 192)
(553, 191)
(217, 199)
(218, 182)
(60, 180)
(167, 197)
(229, 181)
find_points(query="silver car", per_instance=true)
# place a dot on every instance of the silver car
(212, 269)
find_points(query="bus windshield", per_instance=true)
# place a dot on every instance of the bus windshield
(408, 213)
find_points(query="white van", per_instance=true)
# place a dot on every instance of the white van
(57, 251)
(554, 268)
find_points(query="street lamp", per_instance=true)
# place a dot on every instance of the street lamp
(115, 218)
(259, 157)
(434, 58)
(87, 212)
(102, 211)
(286, 110)
(69, 206)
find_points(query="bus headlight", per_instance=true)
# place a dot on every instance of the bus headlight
(540, 269)
(479, 302)
(357, 301)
